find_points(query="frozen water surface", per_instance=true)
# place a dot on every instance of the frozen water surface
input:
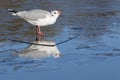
(92, 55)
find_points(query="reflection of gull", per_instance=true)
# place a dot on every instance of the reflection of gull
(38, 51)
(38, 17)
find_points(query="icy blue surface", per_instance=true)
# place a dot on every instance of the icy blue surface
(92, 55)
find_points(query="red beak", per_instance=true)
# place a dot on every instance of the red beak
(60, 11)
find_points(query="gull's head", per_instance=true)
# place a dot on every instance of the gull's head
(56, 13)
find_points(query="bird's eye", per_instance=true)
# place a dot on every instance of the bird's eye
(55, 54)
(54, 12)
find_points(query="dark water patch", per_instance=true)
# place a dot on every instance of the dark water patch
(111, 54)
(116, 49)
(101, 14)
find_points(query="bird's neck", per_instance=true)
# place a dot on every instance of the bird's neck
(53, 19)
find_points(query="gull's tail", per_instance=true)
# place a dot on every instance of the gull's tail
(13, 12)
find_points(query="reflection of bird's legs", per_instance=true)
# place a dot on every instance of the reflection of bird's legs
(39, 34)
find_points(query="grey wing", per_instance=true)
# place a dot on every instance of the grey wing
(33, 14)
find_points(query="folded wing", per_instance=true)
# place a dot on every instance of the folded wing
(33, 14)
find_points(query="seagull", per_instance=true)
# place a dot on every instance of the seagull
(38, 18)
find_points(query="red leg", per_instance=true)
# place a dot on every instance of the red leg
(38, 33)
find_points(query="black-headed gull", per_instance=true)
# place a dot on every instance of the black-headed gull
(38, 18)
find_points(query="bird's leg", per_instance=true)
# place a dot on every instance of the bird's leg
(38, 33)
